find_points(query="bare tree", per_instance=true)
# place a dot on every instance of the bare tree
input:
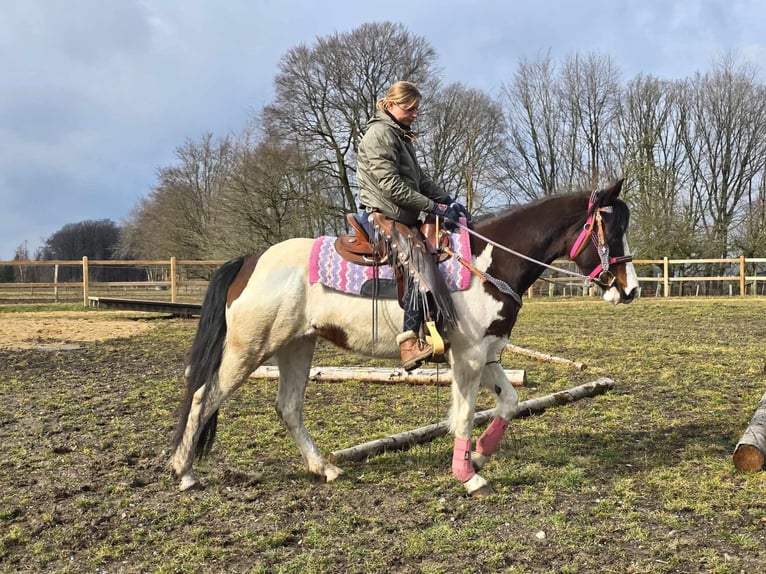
(143, 232)
(23, 273)
(535, 131)
(464, 143)
(180, 215)
(326, 93)
(271, 196)
(724, 133)
(653, 160)
(749, 233)
(590, 92)
(562, 125)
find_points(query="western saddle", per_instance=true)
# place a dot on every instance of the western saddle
(360, 249)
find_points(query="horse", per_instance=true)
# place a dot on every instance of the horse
(263, 306)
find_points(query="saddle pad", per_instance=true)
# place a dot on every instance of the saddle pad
(330, 269)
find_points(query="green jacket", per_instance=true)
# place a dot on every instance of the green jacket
(388, 173)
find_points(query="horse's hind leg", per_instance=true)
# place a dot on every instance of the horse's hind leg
(294, 361)
(236, 365)
(493, 378)
(202, 409)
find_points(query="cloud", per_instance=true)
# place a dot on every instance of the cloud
(96, 95)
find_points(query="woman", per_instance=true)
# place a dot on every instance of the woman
(392, 183)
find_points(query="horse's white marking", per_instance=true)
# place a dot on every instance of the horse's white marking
(630, 270)
(475, 308)
(482, 261)
(612, 295)
(475, 483)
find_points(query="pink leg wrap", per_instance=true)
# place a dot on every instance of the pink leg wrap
(461, 460)
(491, 437)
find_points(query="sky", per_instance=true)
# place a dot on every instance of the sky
(96, 95)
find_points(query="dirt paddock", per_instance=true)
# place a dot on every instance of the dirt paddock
(68, 329)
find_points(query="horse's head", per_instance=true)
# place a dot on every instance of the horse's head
(601, 248)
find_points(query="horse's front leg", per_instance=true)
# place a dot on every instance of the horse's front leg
(465, 386)
(493, 378)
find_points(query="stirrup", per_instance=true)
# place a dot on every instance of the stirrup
(434, 339)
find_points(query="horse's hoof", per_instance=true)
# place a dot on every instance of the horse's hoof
(477, 487)
(332, 472)
(482, 492)
(189, 483)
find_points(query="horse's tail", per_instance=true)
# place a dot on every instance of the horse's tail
(206, 352)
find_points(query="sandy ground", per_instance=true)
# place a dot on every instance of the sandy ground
(67, 329)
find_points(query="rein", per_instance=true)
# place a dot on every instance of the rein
(586, 278)
(601, 275)
(501, 285)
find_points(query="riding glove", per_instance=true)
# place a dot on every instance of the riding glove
(449, 212)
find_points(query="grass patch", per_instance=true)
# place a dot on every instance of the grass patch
(637, 480)
(43, 307)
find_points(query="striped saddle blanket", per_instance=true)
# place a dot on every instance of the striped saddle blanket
(332, 270)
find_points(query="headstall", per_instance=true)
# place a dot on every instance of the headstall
(594, 227)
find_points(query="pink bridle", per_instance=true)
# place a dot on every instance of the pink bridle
(594, 228)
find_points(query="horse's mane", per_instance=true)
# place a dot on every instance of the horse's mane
(521, 209)
(619, 220)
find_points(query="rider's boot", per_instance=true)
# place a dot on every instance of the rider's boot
(414, 350)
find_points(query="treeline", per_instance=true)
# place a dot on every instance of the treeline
(95, 239)
(692, 150)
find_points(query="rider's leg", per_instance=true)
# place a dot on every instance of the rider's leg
(413, 349)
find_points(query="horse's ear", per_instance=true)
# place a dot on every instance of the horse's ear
(611, 192)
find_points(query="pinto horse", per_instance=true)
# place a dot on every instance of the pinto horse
(262, 307)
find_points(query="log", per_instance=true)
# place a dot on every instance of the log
(750, 452)
(544, 356)
(408, 439)
(443, 376)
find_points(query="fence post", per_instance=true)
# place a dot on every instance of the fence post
(56, 283)
(173, 282)
(742, 275)
(665, 277)
(85, 286)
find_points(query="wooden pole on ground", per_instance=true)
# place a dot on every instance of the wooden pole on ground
(544, 356)
(408, 439)
(750, 452)
(443, 376)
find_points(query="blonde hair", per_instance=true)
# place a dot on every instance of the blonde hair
(403, 94)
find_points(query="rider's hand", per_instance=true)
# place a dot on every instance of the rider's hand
(447, 211)
(462, 211)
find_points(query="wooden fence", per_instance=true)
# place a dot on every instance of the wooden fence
(732, 276)
(167, 279)
(739, 282)
(186, 280)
